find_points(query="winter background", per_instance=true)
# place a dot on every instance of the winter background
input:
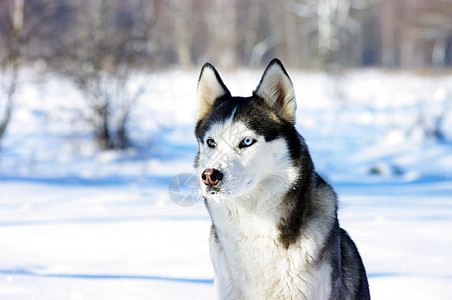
(79, 223)
(79, 220)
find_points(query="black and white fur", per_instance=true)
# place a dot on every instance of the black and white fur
(275, 232)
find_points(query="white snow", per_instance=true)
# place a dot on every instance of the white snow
(77, 223)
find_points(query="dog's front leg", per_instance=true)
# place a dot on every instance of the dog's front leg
(224, 284)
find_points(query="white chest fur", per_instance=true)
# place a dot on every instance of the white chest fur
(251, 263)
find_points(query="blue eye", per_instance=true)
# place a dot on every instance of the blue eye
(211, 143)
(246, 142)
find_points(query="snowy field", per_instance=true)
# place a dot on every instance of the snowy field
(76, 223)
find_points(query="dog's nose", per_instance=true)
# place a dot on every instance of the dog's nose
(211, 176)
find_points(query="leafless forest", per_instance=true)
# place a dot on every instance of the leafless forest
(157, 33)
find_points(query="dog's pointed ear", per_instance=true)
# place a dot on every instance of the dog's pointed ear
(277, 91)
(210, 88)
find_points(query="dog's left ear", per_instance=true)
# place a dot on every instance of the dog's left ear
(210, 88)
(277, 91)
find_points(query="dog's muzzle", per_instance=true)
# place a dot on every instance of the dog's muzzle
(211, 177)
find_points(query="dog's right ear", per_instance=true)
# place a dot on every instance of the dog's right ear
(277, 91)
(210, 88)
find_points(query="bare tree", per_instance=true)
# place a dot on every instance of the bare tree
(221, 21)
(9, 68)
(100, 63)
(182, 13)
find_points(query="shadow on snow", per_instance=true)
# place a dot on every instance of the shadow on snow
(20, 272)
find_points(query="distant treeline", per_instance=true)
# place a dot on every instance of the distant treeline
(231, 33)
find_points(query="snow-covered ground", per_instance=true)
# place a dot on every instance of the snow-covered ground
(76, 223)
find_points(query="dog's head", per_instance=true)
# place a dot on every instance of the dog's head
(246, 144)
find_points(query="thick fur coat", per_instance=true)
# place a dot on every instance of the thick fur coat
(275, 232)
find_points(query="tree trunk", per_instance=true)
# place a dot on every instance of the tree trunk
(182, 26)
(13, 64)
(102, 128)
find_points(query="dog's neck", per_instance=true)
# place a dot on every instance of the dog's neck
(245, 212)
(261, 211)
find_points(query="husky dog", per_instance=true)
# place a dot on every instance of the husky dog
(275, 232)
